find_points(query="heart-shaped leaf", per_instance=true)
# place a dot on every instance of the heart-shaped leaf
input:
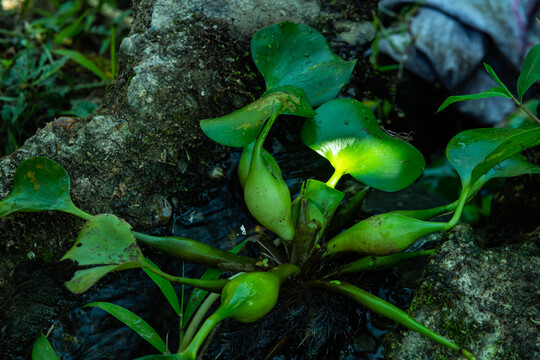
(475, 152)
(39, 184)
(104, 240)
(346, 133)
(241, 127)
(530, 72)
(295, 54)
(135, 322)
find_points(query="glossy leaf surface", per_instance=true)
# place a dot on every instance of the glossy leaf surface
(43, 349)
(107, 241)
(474, 152)
(346, 133)
(295, 54)
(530, 72)
(141, 327)
(241, 127)
(39, 184)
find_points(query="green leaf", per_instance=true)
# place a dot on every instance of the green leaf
(474, 152)
(495, 91)
(71, 30)
(104, 240)
(39, 184)
(346, 133)
(197, 295)
(162, 357)
(241, 127)
(513, 166)
(166, 288)
(83, 61)
(530, 72)
(43, 350)
(49, 70)
(295, 54)
(491, 72)
(137, 324)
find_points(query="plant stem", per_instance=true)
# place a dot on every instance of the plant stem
(79, 213)
(524, 108)
(529, 112)
(375, 304)
(191, 351)
(197, 319)
(257, 148)
(459, 207)
(210, 285)
(191, 250)
(335, 178)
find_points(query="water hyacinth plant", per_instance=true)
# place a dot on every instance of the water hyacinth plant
(303, 76)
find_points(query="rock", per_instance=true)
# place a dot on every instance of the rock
(484, 300)
(142, 148)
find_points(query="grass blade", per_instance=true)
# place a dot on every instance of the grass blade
(166, 288)
(494, 91)
(83, 61)
(137, 324)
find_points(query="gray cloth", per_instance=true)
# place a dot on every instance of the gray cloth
(447, 42)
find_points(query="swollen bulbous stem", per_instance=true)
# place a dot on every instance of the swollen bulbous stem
(192, 251)
(383, 234)
(266, 194)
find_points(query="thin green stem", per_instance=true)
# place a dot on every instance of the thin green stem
(375, 304)
(191, 351)
(79, 213)
(529, 112)
(257, 148)
(197, 319)
(335, 178)
(459, 207)
(210, 285)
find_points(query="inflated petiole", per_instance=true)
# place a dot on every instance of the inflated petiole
(375, 304)
(266, 194)
(383, 234)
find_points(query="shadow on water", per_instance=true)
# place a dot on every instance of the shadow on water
(222, 220)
